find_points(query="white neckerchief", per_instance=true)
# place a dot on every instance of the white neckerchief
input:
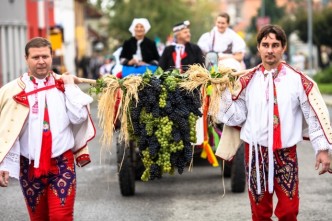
(36, 129)
(257, 106)
(179, 49)
(139, 51)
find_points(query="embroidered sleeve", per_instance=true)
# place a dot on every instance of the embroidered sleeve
(76, 102)
(11, 162)
(232, 113)
(316, 134)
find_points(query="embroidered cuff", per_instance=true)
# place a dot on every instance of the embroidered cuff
(83, 160)
(320, 143)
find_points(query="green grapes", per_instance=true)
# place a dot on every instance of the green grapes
(192, 124)
(163, 97)
(171, 83)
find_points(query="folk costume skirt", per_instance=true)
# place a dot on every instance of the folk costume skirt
(286, 185)
(50, 197)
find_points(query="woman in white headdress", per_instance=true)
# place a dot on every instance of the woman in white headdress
(139, 50)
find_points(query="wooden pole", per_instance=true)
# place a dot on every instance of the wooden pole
(85, 80)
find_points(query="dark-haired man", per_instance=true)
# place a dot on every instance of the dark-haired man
(182, 53)
(45, 126)
(269, 103)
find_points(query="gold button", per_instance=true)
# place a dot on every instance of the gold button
(8, 131)
(12, 120)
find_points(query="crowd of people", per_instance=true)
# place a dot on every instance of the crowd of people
(46, 124)
(139, 50)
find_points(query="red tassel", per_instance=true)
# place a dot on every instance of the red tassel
(277, 144)
(46, 149)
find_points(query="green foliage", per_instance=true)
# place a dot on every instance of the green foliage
(162, 15)
(325, 76)
(322, 23)
(325, 88)
(271, 10)
(98, 87)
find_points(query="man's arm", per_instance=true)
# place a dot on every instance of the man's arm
(10, 165)
(317, 137)
(76, 100)
(232, 112)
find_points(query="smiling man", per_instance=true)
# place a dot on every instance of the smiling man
(182, 52)
(270, 104)
(44, 127)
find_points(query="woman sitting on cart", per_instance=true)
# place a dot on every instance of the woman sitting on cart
(139, 50)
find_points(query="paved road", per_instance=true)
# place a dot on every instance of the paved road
(194, 195)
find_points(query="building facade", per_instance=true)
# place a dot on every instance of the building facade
(13, 35)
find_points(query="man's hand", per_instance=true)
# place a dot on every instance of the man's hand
(4, 178)
(69, 78)
(324, 159)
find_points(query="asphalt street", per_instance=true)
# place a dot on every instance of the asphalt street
(195, 195)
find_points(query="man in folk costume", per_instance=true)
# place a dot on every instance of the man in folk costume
(182, 53)
(45, 124)
(269, 103)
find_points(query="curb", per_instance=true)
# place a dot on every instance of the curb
(328, 99)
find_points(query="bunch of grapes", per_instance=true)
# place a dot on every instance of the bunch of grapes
(164, 125)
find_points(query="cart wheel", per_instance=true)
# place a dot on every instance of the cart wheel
(238, 176)
(127, 170)
(227, 169)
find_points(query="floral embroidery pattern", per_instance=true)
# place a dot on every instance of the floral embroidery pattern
(286, 171)
(61, 181)
(253, 177)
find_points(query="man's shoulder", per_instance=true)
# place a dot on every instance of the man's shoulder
(297, 72)
(12, 83)
(193, 46)
(169, 48)
(306, 81)
(12, 87)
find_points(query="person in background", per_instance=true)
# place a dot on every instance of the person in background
(182, 53)
(270, 104)
(108, 66)
(223, 40)
(139, 50)
(44, 128)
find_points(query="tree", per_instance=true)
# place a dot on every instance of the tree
(322, 33)
(271, 10)
(162, 15)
